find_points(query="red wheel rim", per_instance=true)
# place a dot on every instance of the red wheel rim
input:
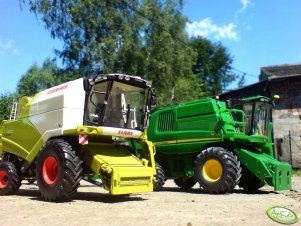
(50, 172)
(3, 179)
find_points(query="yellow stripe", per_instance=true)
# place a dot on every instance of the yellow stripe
(186, 140)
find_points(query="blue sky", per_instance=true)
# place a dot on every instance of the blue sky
(256, 32)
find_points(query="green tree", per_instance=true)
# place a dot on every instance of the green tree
(167, 47)
(94, 32)
(145, 38)
(33, 81)
(187, 89)
(38, 78)
(212, 65)
(140, 37)
(6, 101)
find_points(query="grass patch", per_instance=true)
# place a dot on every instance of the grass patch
(297, 172)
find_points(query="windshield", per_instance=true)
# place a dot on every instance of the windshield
(248, 109)
(261, 119)
(116, 104)
(257, 121)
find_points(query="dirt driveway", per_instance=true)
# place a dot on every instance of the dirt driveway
(94, 206)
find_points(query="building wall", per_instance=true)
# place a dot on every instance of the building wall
(287, 119)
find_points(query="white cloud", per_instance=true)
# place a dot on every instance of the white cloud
(245, 4)
(8, 46)
(207, 28)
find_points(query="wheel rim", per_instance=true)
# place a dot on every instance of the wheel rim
(212, 170)
(50, 170)
(3, 179)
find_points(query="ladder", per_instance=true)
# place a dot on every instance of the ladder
(13, 113)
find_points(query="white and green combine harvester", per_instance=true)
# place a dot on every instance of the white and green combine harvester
(84, 129)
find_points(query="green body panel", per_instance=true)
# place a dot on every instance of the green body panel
(21, 138)
(267, 169)
(182, 131)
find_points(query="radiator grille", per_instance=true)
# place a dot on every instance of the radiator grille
(166, 121)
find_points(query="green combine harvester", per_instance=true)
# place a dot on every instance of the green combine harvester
(218, 144)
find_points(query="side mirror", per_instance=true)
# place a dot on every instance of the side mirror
(154, 102)
(86, 84)
(153, 99)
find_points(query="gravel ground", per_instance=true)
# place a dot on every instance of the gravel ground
(94, 206)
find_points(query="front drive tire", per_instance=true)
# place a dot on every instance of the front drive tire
(185, 182)
(217, 170)
(249, 182)
(58, 171)
(159, 178)
(9, 181)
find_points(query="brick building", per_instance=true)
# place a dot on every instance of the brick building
(285, 81)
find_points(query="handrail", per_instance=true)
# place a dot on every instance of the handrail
(240, 126)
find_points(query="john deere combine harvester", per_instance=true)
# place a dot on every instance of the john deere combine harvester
(82, 129)
(218, 144)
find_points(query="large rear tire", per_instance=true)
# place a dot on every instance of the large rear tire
(185, 182)
(9, 179)
(217, 170)
(58, 171)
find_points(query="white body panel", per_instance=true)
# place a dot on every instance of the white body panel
(121, 132)
(58, 108)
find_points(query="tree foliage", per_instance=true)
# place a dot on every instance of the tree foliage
(38, 78)
(33, 81)
(187, 89)
(212, 65)
(139, 37)
(145, 38)
(6, 101)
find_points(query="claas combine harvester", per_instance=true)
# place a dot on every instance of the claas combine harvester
(83, 129)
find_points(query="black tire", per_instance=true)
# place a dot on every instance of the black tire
(185, 182)
(58, 171)
(9, 179)
(249, 182)
(159, 178)
(8, 157)
(217, 170)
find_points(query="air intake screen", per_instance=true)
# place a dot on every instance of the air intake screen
(166, 121)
